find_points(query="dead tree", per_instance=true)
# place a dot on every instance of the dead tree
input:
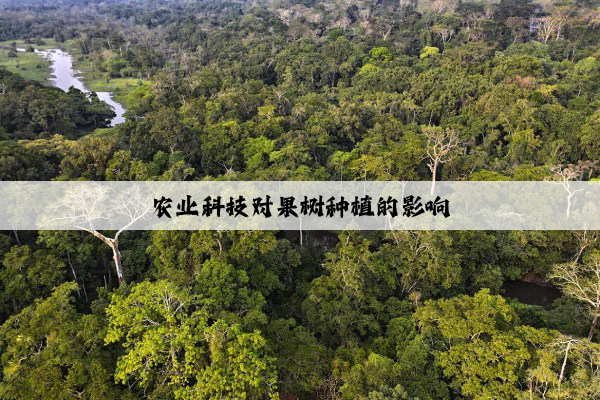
(441, 146)
(444, 33)
(572, 172)
(85, 207)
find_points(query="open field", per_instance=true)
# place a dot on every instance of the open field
(27, 64)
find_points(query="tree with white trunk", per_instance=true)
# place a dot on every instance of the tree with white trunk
(444, 32)
(569, 176)
(84, 206)
(553, 24)
(441, 148)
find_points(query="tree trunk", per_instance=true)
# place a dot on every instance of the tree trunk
(594, 322)
(17, 236)
(579, 253)
(433, 173)
(74, 274)
(403, 184)
(564, 364)
(108, 272)
(114, 245)
(84, 291)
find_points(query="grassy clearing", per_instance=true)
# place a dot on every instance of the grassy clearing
(32, 66)
(99, 81)
(28, 65)
(48, 44)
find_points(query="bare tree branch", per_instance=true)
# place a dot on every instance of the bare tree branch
(86, 207)
(581, 282)
(440, 148)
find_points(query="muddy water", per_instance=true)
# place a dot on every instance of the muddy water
(531, 293)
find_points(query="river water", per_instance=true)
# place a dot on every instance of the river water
(64, 77)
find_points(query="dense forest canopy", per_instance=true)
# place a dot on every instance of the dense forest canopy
(304, 90)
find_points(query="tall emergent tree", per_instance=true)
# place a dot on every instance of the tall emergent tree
(84, 206)
(567, 177)
(441, 143)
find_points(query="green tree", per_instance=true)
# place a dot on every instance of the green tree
(479, 345)
(302, 361)
(174, 349)
(27, 275)
(52, 351)
(420, 262)
(341, 305)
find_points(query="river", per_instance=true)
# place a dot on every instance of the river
(64, 77)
